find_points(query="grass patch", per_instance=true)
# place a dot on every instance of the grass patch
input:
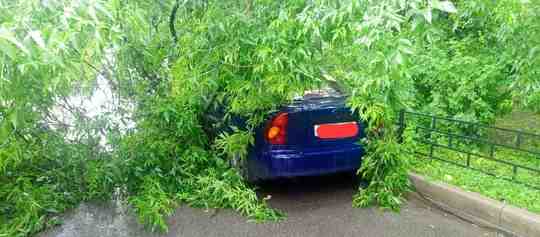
(520, 120)
(470, 180)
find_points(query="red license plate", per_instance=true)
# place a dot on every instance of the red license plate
(336, 130)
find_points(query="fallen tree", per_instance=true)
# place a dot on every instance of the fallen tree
(169, 63)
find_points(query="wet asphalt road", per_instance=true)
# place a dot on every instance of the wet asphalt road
(315, 207)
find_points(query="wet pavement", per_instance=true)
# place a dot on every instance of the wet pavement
(314, 206)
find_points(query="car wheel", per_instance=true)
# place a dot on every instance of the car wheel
(357, 181)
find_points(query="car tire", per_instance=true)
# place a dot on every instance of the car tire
(357, 181)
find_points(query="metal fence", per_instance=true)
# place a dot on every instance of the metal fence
(503, 153)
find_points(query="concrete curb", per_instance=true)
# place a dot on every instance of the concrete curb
(477, 208)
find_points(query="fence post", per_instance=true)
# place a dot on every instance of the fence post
(518, 142)
(433, 126)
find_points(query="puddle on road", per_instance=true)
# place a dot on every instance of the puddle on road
(97, 219)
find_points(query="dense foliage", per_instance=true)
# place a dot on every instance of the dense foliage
(43, 55)
(481, 61)
(169, 63)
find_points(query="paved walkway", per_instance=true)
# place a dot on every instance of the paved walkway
(315, 207)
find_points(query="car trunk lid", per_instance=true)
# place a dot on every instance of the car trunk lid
(322, 121)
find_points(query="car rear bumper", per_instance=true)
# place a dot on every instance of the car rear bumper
(282, 161)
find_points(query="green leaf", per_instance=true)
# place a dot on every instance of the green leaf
(8, 36)
(428, 15)
(36, 36)
(8, 48)
(445, 6)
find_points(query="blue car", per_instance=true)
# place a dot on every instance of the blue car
(315, 135)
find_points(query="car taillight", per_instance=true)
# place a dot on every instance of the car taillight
(276, 133)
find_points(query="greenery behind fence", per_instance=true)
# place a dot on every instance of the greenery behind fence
(471, 145)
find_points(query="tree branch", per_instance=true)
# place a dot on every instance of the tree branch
(172, 28)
